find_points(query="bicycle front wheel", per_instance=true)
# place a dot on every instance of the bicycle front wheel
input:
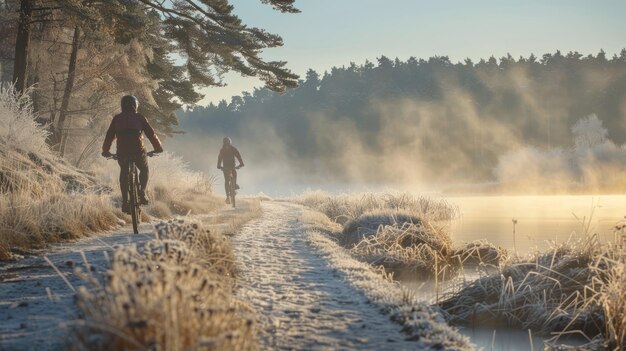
(135, 210)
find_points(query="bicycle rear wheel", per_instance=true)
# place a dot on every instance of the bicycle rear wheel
(135, 210)
(232, 191)
(231, 188)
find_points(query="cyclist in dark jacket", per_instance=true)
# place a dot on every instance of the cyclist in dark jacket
(127, 128)
(226, 162)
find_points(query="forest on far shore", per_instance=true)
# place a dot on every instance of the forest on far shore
(427, 119)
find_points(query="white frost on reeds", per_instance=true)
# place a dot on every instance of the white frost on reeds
(174, 293)
(18, 127)
(343, 207)
(577, 287)
(422, 323)
(401, 232)
(43, 199)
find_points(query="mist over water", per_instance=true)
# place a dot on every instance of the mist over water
(591, 165)
(540, 218)
(550, 125)
(493, 137)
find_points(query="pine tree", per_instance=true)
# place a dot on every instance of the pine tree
(212, 40)
(163, 52)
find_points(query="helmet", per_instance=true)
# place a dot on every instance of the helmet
(129, 103)
(227, 141)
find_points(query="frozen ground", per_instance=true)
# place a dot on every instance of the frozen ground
(37, 307)
(308, 293)
(302, 302)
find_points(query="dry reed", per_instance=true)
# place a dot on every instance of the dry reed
(575, 288)
(175, 293)
(401, 232)
(45, 200)
(344, 207)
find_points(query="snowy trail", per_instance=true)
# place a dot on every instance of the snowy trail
(29, 319)
(301, 301)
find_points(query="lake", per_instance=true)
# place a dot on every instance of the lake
(539, 218)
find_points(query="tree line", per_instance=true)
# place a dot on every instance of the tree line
(437, 118)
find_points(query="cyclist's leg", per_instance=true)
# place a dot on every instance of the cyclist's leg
(142, 164)
(124, 181)
(235, 178)
(226, 180)
(144, 171)
(227, 183)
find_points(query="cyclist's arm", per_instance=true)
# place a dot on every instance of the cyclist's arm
(220, 157)
(109, 138)
(238, 156)
(154, 139)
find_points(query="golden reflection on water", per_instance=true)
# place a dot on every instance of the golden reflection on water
(538, 219)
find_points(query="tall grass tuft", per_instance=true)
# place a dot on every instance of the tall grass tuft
(408, 246)
(43, 199)
(577, 287)
(344, 207)
(174, 188)
(401, 232)
(174, 293)
(18, 127)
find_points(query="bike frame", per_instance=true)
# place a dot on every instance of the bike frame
(133, 195)
(230, 179)
(230, 184)
(133, 191)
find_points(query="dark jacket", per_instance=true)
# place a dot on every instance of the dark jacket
(127, 128)
(227, 157)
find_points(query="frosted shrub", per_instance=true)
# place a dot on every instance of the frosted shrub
(592, 163)
(43, 199)
(18, 127)
(589, 132)
(574, 288)
(170, 294)
(170, 171)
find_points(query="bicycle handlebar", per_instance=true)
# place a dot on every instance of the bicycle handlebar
(238, 167)
(149, 154)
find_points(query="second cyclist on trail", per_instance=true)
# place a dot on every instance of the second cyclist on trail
(226, 162)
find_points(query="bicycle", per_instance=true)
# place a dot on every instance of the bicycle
(231, 190)
(133, 191)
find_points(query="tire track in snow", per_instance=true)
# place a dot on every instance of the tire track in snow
(301, 302)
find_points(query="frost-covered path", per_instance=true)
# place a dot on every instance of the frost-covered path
(37, 309)
(301, 301)
(36, 306)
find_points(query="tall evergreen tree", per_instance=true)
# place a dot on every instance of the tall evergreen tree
(178, 46)
(212, 40)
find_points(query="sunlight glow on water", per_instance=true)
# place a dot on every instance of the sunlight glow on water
(539, 218)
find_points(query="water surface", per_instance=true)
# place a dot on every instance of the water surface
(539, 218)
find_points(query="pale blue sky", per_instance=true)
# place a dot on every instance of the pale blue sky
(334, 32)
